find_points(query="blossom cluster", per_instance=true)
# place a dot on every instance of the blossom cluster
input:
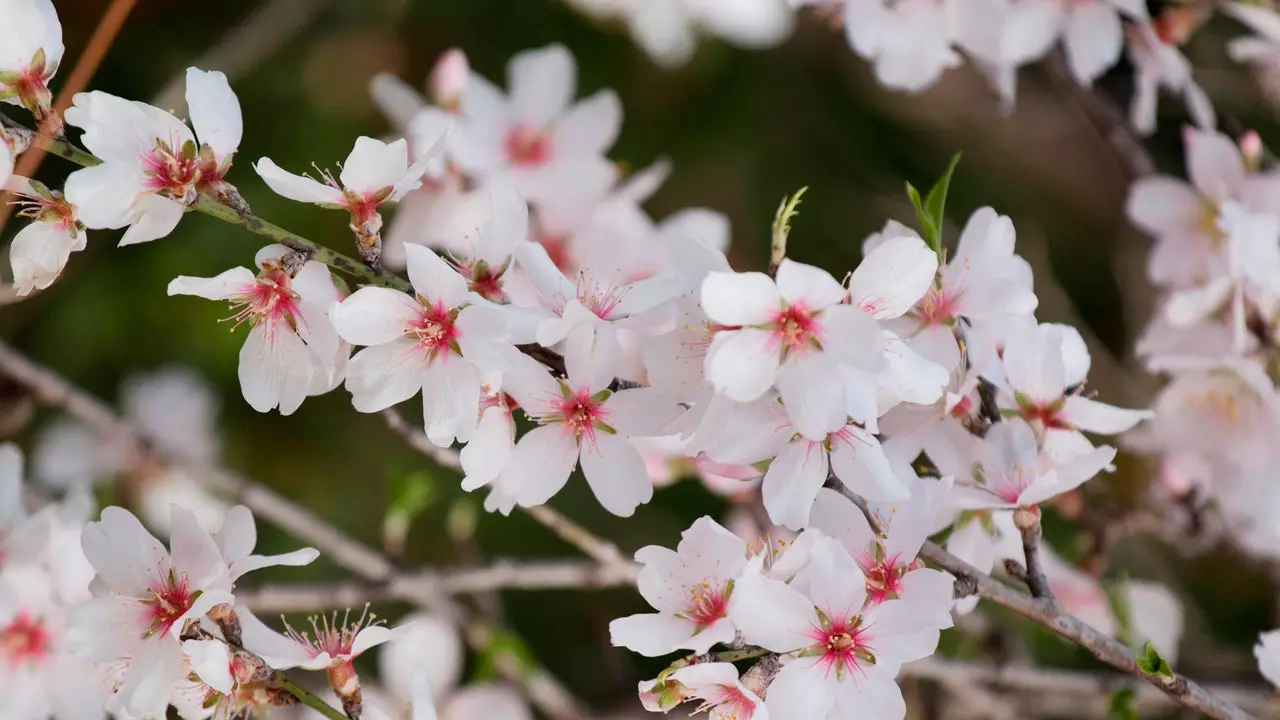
(548, 323)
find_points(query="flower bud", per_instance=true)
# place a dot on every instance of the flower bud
(1025, 518)
(449, 78)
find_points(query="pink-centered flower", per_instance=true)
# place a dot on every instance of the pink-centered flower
(292, 349)
(579, 418)
(839, 649)
(144, 597)
(533, 137)
(153, 166)
(438, 343)
(690, 588)
(30, 52)
(40, 250)
(722, 694)
(375, 173)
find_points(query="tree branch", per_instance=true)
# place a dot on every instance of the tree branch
(1027, 521)
(1046, 612)
(499, 575)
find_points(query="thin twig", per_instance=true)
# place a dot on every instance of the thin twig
(1178, 687)
(497, 575)
(1028, 523)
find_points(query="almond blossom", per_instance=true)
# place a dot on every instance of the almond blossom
(722, 694)
(580, 420)
(153, 166)
(292, 350)
(910, 42)
(843, 653)
(331, 646)
(667, 29)
(375, 173)
(1160, 65)
(690, 588)
(30, 53)
(1263, 46)
(41, 249)
(438, 342)
(144, 597)
(534, 137)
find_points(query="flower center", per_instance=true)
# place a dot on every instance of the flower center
(270, 298)
(581, 414)
(706, 604)
(937, 307)
(1048, 414)
(840, 643)
(884, 580)
(172, 173)
(602, 300)
(24, 639)
(169, 601)
(795, 330)
(730, 703)
(435, 330)
(527, 147)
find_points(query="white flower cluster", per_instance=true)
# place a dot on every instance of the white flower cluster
(913, 42)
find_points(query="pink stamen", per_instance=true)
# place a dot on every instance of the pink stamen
(527, 147)
(706, 604)
(330, 636)
(270, 299)
(795, 329)
(841, 644)
(937, 307)
(25, 640)
(170, 600)
(602, 300)
(435, 330)
(580, 414)
(168, 172)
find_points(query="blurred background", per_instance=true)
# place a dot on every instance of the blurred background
(742, 129)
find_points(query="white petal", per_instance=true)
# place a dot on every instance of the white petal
(802, 689)
(297, 558)
(541, 464)
(792, 482)
(541, 83)
(396, 99)
(373, 165)
(154, 217)
(373, 636)
(807, 286)
(838, 518)
(1094, 39)
(385, 375)
(860, 463)
(812, 394)
(276, 368)
(489, 450)
(432, 277)
(591, 125)
(893, 277)
(38, 254)
(214, 111)
(450, 400)
(374, 316)
(1096, 417)
(836, 581)
(1034, 365)
(296, 187)
(616, 473)
(740, 298)
(1214, 164)
(104, 195)
(211, 662)
(742, 364)
(771, 614)
(651, 634)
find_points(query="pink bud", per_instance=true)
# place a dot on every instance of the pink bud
(1251, 147)
(449, 78)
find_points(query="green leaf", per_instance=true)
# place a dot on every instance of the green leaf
(411, 494)
(932, 210)
(1120, 707)
(936, 203)
(787, 210)
(1151, 663)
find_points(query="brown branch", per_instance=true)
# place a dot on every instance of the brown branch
(1046, 612)
(1027, 521)
(498, 575)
